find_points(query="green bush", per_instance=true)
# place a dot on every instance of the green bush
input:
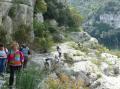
(74, 29)
(29, 78)
(75, 20)
(43, 38)
(12, 12)
(65, 82)
(115, 52)
(40, 6)
(3, 34)
(39, 29)
(22, 34)
(26, 80)
(99, 48)
(43, 44)
(68, 58)
(62, 14)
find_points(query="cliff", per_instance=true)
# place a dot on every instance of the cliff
(14, 13)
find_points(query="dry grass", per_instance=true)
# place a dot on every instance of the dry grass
(64, 82)
(115, 52)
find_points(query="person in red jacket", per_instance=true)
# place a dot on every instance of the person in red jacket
(15, 61)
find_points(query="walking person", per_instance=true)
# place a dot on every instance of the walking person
(59, 51)
(3, 57)
(15, 60)
(26, 52)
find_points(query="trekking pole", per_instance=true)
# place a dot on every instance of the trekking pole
(5, 67)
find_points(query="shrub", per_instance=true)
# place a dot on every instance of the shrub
(58, 37)
(43, 38)
(80, 47)
(68, 58)
(43, 44)
(26, 80)
(98, 61)
(115, 52)
(39, 29)
(64, 82)
(3, 34)
(29, 78)
(12, 12)
(75, 20)
(62, 14)
(100, 48)
(22, 35)
(74, 29)
(40, 6)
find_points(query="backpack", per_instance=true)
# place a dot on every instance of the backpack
(25, 51)
(15, 58)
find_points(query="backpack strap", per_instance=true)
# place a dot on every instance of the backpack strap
(6, 50)
(21, 57)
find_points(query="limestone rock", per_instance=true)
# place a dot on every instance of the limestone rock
(58, 37)
(53, 22)
(22, 11)
(39, 17)
(80, 36)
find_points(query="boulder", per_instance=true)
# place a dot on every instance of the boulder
(59, 37)
(39, 17)
(53, 22)
(82, 76)
(111, 59)
(86, 66)
(80, 36)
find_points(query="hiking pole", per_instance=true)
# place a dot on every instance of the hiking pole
(5, 67)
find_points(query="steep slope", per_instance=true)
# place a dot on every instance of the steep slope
(87, 7)
(101, 19)
(105, 25)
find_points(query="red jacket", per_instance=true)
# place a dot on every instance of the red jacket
(15, 58)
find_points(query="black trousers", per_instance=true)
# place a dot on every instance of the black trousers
(25, 61)
(13, 70)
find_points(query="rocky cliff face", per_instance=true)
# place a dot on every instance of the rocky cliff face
(87, 7)
(105, 25)
(14, 13)
(101, 19)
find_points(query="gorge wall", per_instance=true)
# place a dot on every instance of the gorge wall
(14, 13)
(101, 20)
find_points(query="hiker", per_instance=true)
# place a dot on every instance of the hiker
(59, 51)
(26, 52)
(57, 58)
(48, 63)
(3, 57)
(15, 61)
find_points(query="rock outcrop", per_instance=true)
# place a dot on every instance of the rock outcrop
(14, 13)
(104, 24)
(97, 72)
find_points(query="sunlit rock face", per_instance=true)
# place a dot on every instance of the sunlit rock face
(14, 13)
